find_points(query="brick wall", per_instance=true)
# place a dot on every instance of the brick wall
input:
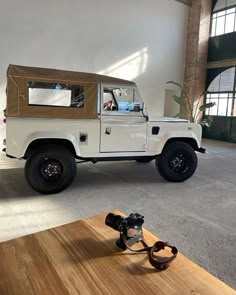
(197, 47)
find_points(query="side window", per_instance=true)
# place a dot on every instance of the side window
(109, 102)
(121, 99)
(55, 94)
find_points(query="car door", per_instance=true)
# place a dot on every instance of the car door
(123, 125)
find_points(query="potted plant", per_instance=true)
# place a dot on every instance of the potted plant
(191, 108)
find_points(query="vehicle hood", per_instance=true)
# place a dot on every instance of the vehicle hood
(166, 119)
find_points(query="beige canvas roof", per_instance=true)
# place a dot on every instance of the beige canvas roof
(54, 74)
(18, 92)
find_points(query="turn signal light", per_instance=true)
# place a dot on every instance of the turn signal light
(5, 120)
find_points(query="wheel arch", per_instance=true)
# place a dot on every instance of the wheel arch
(190, 141)
(37, 143)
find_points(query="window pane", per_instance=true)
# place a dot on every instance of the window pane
(55, 94)
(108, 101)
(223, 82)
(231, 10)
(227, 80)
(77, 97)
(230, 104)
(223, 95)
(215, 85)
(220, 25)
(220, 5)
(208, 100)
(213, 27)
(215, 95)
(222, 107)
(234, 110)
(124, 98)
(213, 110)
(221, 13)
(137, 98)
(49, 97)
(231, 3)
(229, 25)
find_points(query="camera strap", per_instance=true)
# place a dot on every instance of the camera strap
(158, 262)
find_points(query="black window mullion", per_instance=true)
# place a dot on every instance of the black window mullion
(234, 93)
(227, 105)
(217, 113)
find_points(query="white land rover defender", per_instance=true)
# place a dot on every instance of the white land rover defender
(54, 117)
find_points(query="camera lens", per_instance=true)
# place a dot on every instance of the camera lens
(114, 221)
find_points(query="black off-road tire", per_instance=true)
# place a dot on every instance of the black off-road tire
(177, 162)
(50, 169)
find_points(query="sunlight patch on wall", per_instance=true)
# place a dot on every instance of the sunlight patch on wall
(130, 67)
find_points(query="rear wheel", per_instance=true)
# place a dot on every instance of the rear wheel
(177, 162)
(50, 169)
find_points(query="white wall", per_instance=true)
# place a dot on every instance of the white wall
(171, 108)
(138, 40)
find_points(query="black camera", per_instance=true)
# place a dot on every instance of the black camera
(130, 228)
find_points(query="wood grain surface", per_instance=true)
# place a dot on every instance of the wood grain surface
(81, 258)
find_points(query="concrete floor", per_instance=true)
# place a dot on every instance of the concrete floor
(198, 216)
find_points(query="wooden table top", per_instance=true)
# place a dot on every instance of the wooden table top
(81, 258)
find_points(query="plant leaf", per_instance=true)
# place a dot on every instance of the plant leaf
(179, 99)
(177, 115)
(205, 122)
(175, 83)
(206, 106)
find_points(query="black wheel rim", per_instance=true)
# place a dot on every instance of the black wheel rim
(51, 169)
(179, 163)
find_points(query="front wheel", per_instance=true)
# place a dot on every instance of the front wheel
(50, 169)
(177, 162)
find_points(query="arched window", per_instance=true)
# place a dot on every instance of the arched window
(223, 18)
(222, 91)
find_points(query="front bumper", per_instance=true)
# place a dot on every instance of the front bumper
(201, 150)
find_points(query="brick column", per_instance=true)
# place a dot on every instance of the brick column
(197, 47)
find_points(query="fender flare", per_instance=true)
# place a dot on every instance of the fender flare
(187, 137)
(55, 135)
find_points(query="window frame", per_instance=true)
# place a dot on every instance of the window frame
(50, 105)
(117, 112)
(229, 94)
(215, 17)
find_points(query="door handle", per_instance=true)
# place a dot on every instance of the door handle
(108, 131)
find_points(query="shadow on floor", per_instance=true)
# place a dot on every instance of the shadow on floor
(103, 175)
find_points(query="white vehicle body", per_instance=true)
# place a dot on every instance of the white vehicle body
(130, 135)
(54, 117)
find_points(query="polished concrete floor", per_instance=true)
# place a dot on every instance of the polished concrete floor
(198, 216)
